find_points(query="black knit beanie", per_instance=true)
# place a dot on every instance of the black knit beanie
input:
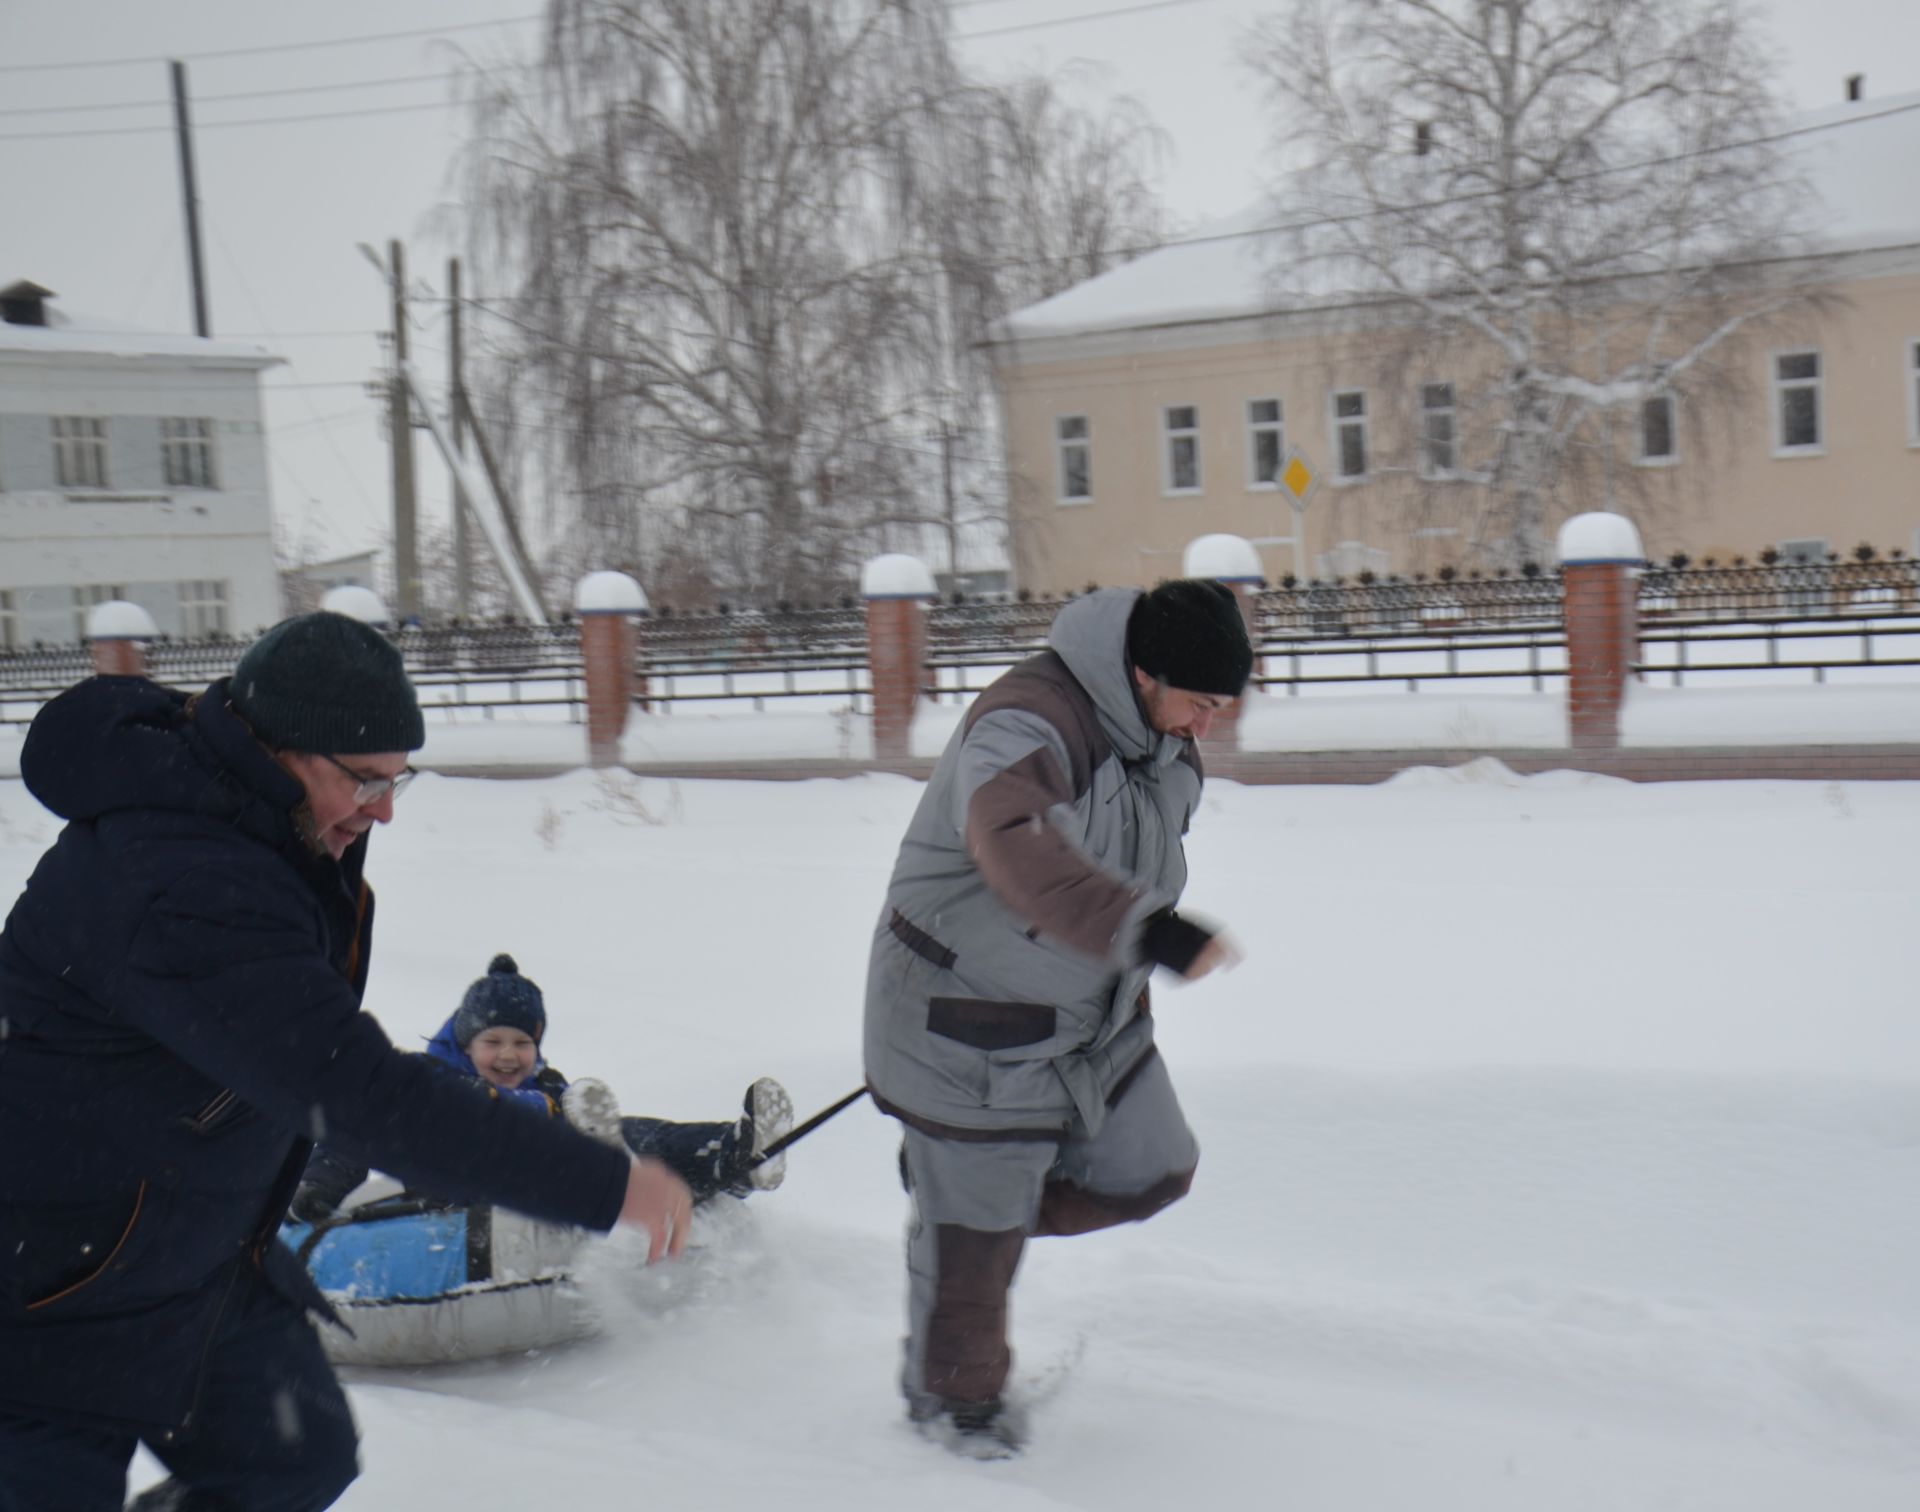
(1189, 634)
(326, 683)
(502, 999)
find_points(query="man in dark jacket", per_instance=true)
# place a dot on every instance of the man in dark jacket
(179, 992)
(1007, 1025)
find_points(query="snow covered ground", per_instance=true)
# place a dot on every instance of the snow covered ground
(1857, 706)
(1562, 1153)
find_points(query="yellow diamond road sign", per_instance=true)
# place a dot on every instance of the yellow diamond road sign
(1298, 477)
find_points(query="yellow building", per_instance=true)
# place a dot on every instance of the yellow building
(1162, 400)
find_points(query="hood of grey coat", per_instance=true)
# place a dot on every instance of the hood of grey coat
(1090, 636)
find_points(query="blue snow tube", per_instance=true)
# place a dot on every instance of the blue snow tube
(392, 1249)
(421, 1283)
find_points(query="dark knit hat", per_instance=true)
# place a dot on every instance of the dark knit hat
(328, 684)
(502, 999)
(1189, 634)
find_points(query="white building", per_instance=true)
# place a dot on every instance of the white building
(132, 465)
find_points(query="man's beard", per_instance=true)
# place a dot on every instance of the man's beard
(307, 827)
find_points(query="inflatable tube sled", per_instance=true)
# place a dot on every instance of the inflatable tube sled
(422, 1283)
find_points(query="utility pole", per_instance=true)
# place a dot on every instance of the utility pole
(183, 130)
(952, 505)
(515, 544)
(406, 545)
(456, 386)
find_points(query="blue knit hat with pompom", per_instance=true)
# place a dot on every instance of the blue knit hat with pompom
(502, 999)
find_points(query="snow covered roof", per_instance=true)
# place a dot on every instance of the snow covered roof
(67, 334)
(1218, 272)
(1858, 156)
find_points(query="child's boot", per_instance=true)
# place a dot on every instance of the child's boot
(767, 1115)
(592, 1108)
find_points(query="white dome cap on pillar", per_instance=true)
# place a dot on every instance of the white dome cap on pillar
(118, 619)
(896, 575)
(1224, 558)
(1600, 536)
(609, 593)
(358, 603)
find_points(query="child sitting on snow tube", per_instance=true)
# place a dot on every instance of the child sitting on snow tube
(494, 1036)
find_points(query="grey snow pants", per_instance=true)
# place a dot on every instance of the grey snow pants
(975, 1203)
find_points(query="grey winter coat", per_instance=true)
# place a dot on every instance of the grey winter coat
(1006, 988)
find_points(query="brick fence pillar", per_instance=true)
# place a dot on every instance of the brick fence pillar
(1231, 561)
(606, 603)
(117, 633)
(1600, 561)
(896, 588)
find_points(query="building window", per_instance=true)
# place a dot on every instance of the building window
(1073, 442)
(186, 452)
(1656, 430)
(1183, 448)
(1436, 430)
(1350, 433)
(203, 609)
(1913, 393)
(86, 595)
(1266, 443)
(1796, 403)
(9, 622)
(79, 451)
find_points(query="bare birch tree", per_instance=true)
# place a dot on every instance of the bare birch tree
(1034, 194)
(750, 246)
(696, 202)
(1580, 192)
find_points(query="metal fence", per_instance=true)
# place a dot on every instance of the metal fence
(1402, 605)
(1856, 618)
(1784, 590)
(1798, 619)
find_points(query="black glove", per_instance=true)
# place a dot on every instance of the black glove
(1173, 942)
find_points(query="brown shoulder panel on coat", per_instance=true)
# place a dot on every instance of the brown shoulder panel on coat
(1042, 686)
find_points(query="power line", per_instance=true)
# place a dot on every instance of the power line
(274, 47)
(267, 385)
(1105, 15)
(245, 94)
(1214, 238)
(362, 413)
(341, 335)
(464, 26)
(287, 120)
(1128, 252)
(326, 431)
(232, 335)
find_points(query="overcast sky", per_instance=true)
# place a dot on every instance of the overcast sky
(96, 217)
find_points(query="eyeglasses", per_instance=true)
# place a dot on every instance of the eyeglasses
(373, 789)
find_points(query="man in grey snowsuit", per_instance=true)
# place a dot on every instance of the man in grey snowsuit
(1006, 1017)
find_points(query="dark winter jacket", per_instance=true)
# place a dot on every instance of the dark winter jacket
(180, 986)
